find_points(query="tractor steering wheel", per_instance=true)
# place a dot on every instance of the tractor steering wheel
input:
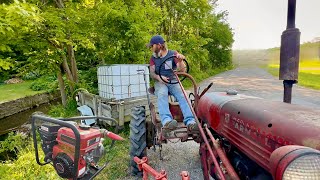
(171, 78)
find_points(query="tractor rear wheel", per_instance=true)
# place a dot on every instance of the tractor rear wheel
(138, 137)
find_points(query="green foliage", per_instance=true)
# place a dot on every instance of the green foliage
(68, 111)
(123, 29)
(193, 29)
(4, 76)
(13, 143)
(35, 36)
(30, 76)
(5, 64)
(89, 80)
(16, 20)
(47, 83)
(26, 167)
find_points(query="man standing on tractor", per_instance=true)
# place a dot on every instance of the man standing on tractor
(174, 60)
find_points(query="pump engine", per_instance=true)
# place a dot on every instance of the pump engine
(59, 144)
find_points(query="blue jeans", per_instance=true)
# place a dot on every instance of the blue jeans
(161, 91)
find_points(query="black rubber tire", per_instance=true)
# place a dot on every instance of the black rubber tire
(138, 137)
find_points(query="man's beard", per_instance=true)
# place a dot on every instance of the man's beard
(157, 53)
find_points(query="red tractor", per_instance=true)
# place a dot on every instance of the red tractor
(241, 137)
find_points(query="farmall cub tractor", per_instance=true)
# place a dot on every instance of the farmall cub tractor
(240, 137)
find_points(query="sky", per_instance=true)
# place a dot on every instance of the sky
(258, 24)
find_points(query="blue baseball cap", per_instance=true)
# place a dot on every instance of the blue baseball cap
(157, 39)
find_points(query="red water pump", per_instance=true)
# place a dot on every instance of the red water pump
(74, 150)
(90, 147)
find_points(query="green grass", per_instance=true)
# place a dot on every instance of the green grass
(309, 73)
(309, 80)
(118, 167)
(25, 166)
(15, 91)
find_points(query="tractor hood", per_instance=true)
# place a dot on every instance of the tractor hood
(258, 126)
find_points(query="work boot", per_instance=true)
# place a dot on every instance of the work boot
(169, 126)
(193, 127)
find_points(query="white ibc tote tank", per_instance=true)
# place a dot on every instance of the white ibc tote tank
(121, 81)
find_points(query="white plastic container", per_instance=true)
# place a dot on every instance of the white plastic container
(121, 81)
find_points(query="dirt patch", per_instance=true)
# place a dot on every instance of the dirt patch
(13, 81)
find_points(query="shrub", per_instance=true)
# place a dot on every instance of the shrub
(47, 83)
(31, 76)
(4, 75)
(12, 145)
(26, 167)
(68, 111)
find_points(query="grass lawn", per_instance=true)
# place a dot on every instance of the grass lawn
(118, 167)
(309, 73)
(15, 91)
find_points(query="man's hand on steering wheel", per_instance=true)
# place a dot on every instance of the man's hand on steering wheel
(181, 67)
(180, 57)
(185, 68)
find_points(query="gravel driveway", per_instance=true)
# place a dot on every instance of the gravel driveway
(248, 80)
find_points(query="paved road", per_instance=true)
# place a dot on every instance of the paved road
(255, 81)
(249, 80)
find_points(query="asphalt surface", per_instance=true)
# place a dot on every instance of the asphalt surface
(258, 82)
(246, 79)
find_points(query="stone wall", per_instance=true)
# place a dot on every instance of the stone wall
(22, 104)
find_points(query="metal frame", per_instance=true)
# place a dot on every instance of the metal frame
(162, 175)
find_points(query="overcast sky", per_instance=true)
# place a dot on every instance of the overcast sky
(259, 24)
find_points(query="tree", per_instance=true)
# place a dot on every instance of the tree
(16, 20)
(220, 38)
(193, 28)
(62, 38)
